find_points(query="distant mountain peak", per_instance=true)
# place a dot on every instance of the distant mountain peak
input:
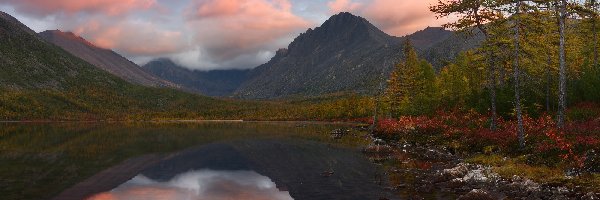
(339, 30)
(345, 21)
(346, 17)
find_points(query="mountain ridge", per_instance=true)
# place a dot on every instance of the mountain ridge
(345, 54)
(104, 59)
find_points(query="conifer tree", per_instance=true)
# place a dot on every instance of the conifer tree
(473, 14)
(411, 84)
(562, 87)
(516, 76)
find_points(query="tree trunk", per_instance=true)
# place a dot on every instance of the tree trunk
(375, 113)
(492, 88)
(562, 87)
(521, 131)
(502, 76)
(595, 35)
(548, 80)
(492, 80)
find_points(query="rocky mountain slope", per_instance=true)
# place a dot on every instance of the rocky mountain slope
(104, 59)
(346, 53)
(211, 83)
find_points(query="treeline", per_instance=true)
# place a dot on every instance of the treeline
(137, 103)
(537, 57)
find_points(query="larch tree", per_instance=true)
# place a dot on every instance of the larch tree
(516, 75)
(562, 73)
(408, 83)
(473, 14)
(593, 6)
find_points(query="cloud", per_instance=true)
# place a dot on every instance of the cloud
(396, 17)
(209, 34)
(338, 6)
(70, 7)
(203, 184)
(131, 37)
(231, 29)
(111, 24)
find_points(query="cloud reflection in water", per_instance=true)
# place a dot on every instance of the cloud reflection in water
(199, 185)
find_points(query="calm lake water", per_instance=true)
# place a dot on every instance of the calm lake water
(186, 161)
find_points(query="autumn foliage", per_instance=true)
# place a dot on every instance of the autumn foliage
(472, 130)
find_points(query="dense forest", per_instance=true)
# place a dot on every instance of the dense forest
(530, 91)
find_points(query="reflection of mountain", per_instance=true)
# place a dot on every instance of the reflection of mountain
(103, 58)
(346, 53)
(201, 184)
(294, 165)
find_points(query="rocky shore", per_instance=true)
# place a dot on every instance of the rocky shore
(417, 170)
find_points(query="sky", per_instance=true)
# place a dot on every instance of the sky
(209, 34)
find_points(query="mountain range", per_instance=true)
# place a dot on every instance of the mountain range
(345, 54)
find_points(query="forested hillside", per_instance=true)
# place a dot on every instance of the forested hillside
(40, 81)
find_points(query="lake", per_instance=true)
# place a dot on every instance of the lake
(187, 160)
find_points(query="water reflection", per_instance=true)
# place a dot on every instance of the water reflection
(196, 185)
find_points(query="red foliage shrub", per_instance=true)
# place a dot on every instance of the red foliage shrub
(472, 128)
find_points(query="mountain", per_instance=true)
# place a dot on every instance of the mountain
(41, 81)
(211, 83)
(104, 59)
(445, 50)
(29, 62)
(346, 53)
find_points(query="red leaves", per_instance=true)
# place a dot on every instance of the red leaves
(473, 129)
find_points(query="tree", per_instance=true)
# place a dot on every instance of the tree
(562, 87)
(473, 13)
(593, 6)
(516, 74)
(411, 85)
(460, 80)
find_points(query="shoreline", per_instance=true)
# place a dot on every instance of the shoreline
(183, 121)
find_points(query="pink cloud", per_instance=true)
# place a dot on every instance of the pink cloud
(343, 6)
(230, 28)
(69, 7)
(395, 17)
(131, 37)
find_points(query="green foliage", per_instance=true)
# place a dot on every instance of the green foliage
(587, 88)
(461, 81)
(411, 86)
